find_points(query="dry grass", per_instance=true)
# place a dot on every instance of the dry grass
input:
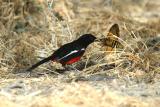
(32, 29)
(50, 93)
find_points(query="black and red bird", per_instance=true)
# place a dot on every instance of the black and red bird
(70, 52)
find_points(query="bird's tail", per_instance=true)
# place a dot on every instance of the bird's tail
(39, 63)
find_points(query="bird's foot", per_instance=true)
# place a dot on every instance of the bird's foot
(66, 68)
(60, 70)
(28, 72)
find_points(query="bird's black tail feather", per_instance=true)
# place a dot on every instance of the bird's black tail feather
(39, 63)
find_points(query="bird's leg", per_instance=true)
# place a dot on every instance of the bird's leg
(61, 70)
(69, 68)
(66, 68)
(29, 73)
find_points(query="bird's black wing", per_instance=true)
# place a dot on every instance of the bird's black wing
(68, 52)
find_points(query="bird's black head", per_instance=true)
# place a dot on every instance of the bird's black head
(86, 39)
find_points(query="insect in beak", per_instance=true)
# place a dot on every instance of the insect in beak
(100, 40)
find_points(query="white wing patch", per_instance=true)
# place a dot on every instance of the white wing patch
(82, 49)
(72, 52)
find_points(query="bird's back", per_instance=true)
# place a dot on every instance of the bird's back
(68, 52)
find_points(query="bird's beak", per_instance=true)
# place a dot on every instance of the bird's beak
(99, 39)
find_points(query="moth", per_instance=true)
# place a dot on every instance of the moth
(111, 40)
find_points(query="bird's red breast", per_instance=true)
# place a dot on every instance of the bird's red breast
(73, 60)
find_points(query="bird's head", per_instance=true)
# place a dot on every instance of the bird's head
(86, 39)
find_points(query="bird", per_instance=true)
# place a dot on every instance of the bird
(68, 53)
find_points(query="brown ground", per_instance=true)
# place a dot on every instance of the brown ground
(31, 30)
